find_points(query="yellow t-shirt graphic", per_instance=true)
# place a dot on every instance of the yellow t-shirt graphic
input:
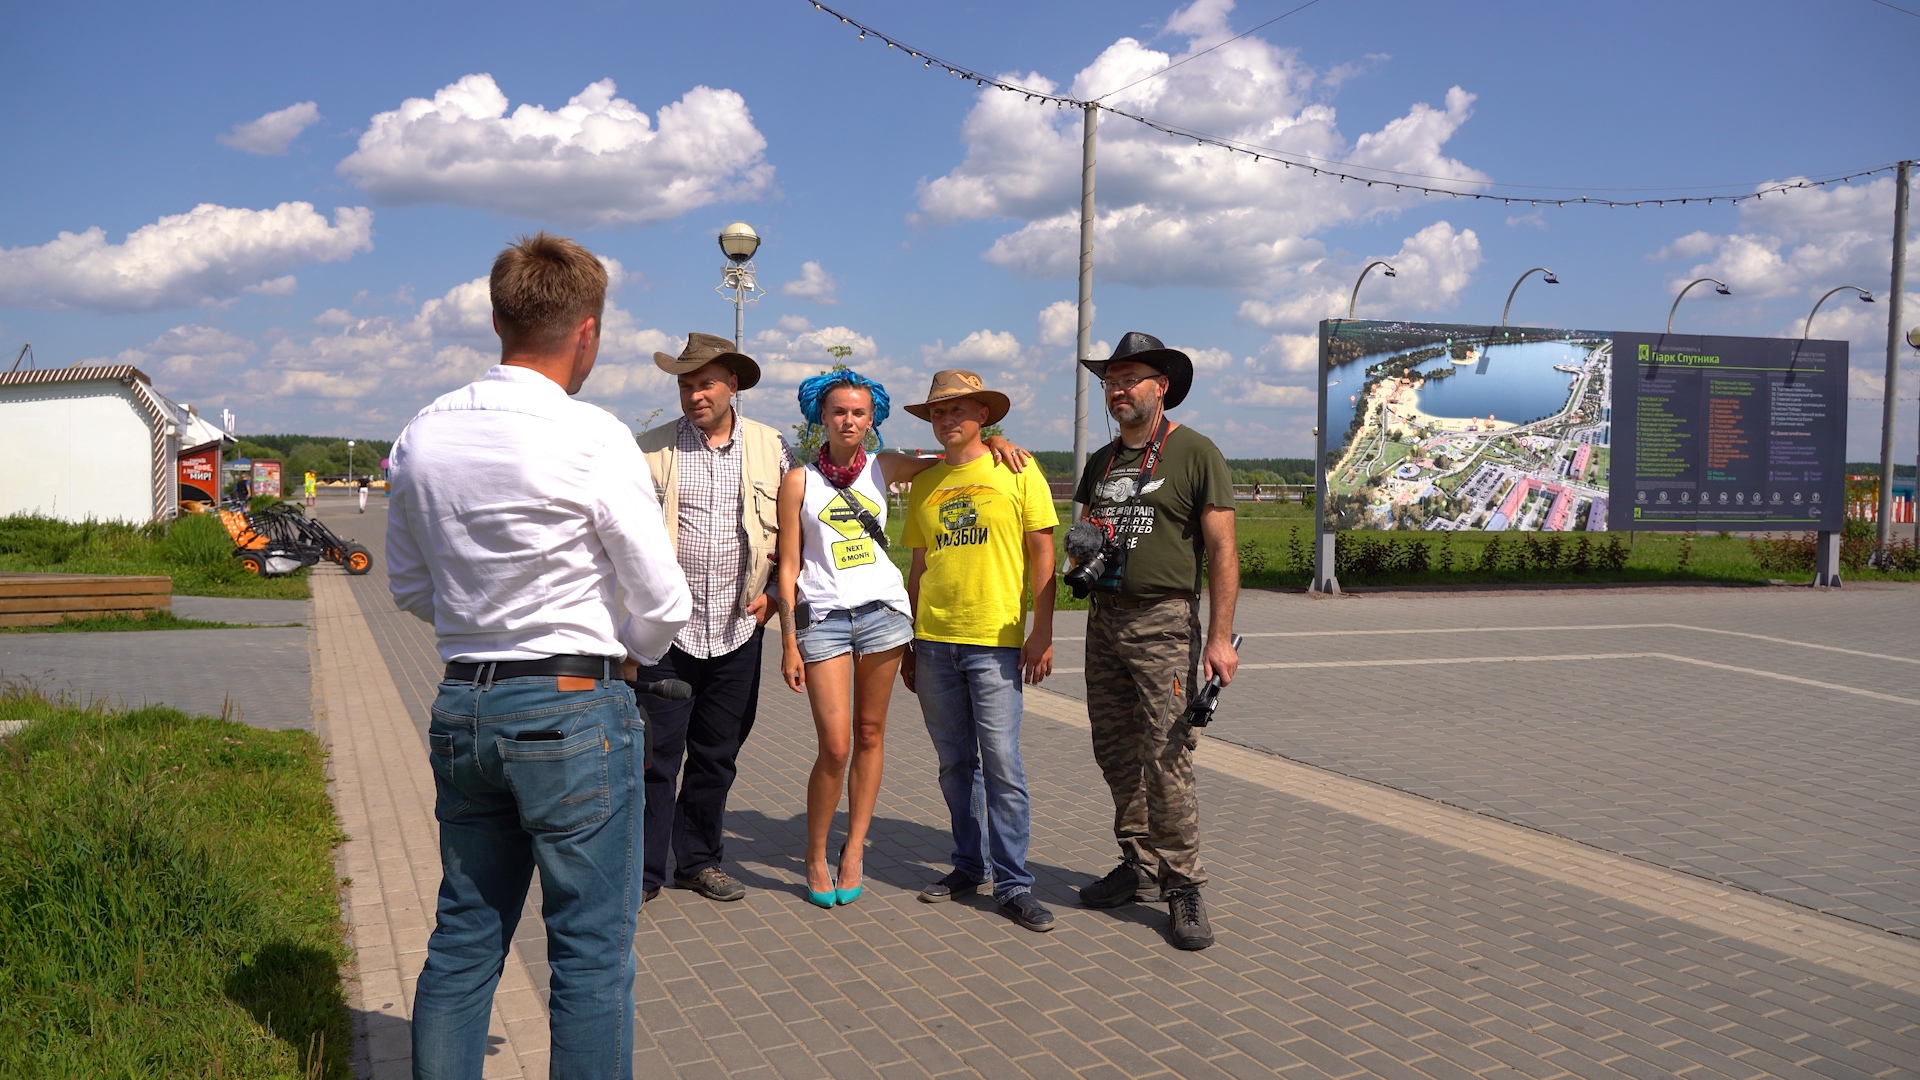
(972, 520)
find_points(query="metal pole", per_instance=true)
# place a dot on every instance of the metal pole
(1084, 349)
(1325, 580)
(1889, 413)
(739, 312)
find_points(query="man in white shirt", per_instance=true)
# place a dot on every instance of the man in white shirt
(523, 527)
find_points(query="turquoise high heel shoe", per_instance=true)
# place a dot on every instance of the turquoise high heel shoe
(823, 899)
(848, 896)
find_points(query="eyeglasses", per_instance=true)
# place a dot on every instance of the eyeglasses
(1125, 386)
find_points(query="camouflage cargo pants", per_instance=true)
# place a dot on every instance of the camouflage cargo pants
(1140, 663)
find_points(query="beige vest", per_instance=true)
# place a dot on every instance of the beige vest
(759, 493)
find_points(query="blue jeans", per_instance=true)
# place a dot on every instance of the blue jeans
(970, 697)
(569, 806)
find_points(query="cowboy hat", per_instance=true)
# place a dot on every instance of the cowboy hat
(704, 349)
(953, 383)
(1147, 349)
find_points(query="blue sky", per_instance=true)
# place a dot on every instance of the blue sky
(312, 266)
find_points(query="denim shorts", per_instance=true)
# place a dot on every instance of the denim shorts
(869, 628)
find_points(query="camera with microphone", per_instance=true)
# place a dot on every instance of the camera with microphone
(1097, 553)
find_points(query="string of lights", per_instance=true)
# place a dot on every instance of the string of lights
(1344, 171)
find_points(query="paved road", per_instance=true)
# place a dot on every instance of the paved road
(1697, 774)
(1765, 738)
(261, 675)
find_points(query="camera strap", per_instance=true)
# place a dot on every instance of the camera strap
(861, 514)
(1147, 463)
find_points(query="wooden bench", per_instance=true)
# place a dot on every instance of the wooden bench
(50, 599)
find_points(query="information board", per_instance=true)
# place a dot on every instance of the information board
(1732, 433)
(1449, 427)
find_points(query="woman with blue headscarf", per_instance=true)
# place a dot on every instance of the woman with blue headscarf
(845, 619)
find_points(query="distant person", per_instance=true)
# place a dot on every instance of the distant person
(982, 539)
(1167, 493)
(243, 490)
(311, 487)
(523, 527)
(365, 483)
(717, 475)
(845, 616)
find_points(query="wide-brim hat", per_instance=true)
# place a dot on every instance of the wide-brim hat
(954, 383)
(704, 349)
(1147, 349)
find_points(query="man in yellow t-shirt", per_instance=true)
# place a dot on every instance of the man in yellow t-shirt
(982, 536)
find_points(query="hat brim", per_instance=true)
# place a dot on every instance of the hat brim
(997, 403)
(744, 369)
(1174, 364)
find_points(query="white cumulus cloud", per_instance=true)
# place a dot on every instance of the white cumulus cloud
(982, 348)
(1433, 267)
(274, 132)
(1797, 242)
(1059, 324)
(1169, 208)
(814, 284)
(598, 160)
(208, 254)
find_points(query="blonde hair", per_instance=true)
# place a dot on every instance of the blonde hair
(541, 287)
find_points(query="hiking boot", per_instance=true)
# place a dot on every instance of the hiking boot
(954, 884)
(1190, 928)
(1022, 908)
(1123, 884)
(714, 884)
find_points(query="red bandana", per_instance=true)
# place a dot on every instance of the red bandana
(841, 475)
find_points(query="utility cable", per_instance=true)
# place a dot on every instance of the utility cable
(1343, 171)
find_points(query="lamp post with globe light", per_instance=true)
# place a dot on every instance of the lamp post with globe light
(738, 241)
(349, 460)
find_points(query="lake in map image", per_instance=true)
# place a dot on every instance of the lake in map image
(1516, 383)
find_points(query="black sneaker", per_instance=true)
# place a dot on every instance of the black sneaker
(1190, 928)
(1022, 908)
(714, 884)
(649, 894)
(954, 884)
(1123, 884)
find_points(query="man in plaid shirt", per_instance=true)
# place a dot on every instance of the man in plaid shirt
(718, 476)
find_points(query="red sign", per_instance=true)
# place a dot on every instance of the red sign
(199, 474)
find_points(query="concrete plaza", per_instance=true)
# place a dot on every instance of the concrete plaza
(1633, 832)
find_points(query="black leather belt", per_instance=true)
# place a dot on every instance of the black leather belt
(583, 667)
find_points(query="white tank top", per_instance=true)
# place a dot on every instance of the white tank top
(844, 569)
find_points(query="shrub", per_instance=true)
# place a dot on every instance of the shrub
(1490, 555)
(1253, 561)
(1581, 559)
(1613, 557)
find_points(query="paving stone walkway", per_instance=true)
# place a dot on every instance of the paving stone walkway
(1418, 872)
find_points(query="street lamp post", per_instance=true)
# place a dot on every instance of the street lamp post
(1722, 290)
(1865, 298)
(349, 459)
(1550, 279)
(738, 241)
(1355, 298)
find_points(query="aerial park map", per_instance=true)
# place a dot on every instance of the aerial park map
(1446, 427)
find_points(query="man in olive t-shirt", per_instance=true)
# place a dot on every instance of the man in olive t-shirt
(1168, 494)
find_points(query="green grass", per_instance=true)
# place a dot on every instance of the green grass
(168, 904)
(1276, 551)
(194, 551)
(157, 620)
